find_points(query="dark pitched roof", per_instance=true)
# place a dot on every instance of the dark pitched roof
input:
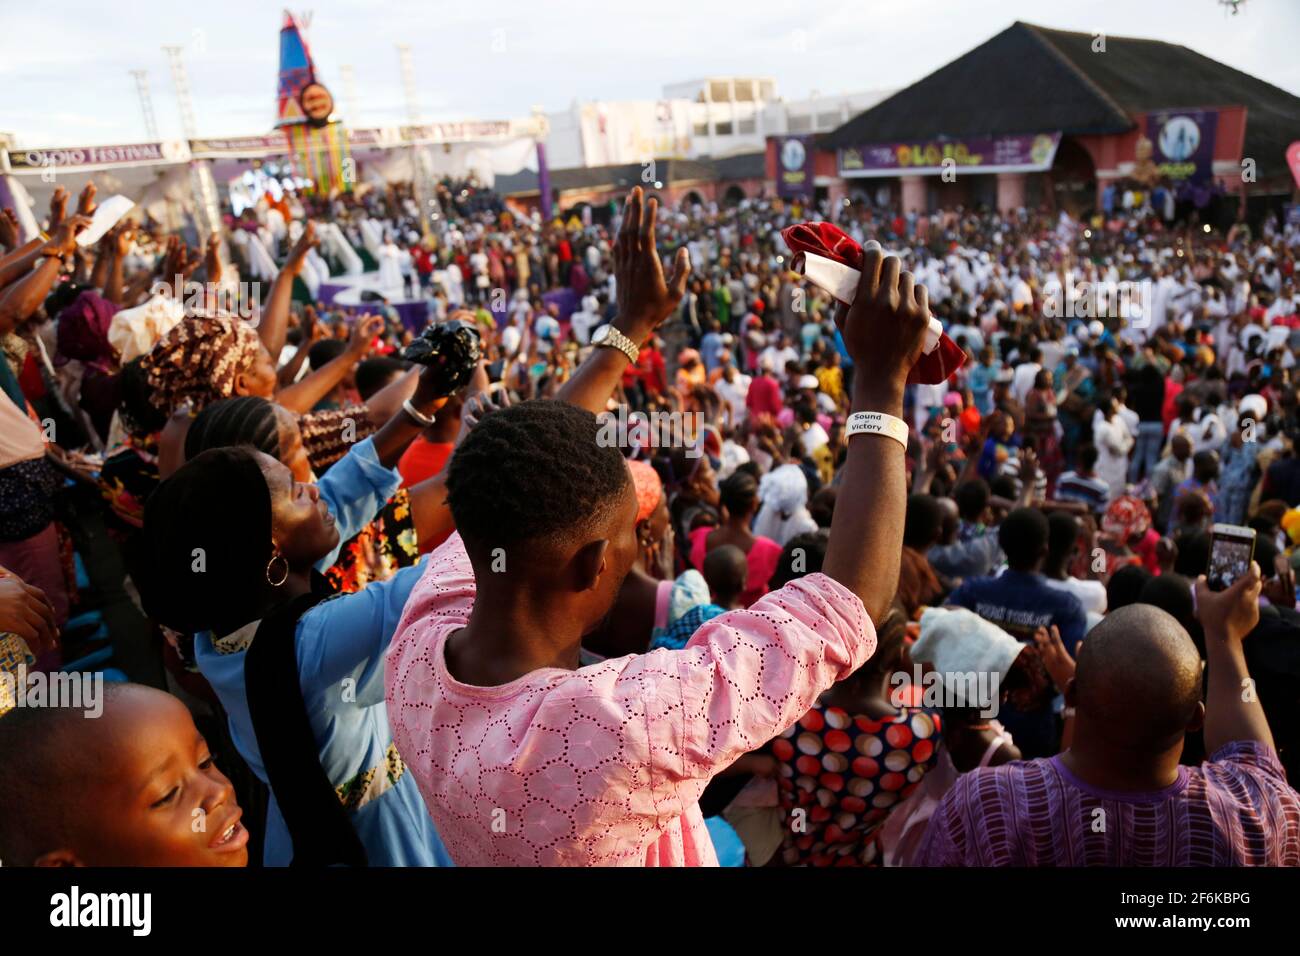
(1142, 76)
(1012, 83)
(627, 175)
(1031, 79)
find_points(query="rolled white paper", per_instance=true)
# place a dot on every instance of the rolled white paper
(841, 281)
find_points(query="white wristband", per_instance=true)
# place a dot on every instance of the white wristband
(877, 423)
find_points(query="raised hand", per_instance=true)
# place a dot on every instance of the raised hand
(363, 333)
(298, 255)
(86, 201)
(645, 298)
(184, 261)
(1231, 614)
(63, 241)
(1028, 467)
(118, 239)
(312, 329)
(58, 207)
(482, 404)
(884, 329)
(1280, 589)
(1057, 660)
(212, 258)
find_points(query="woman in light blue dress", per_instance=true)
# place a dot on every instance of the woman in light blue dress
(339, 642)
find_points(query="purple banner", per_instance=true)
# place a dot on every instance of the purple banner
(1182, 143)
(1027, 153)
(794, 167)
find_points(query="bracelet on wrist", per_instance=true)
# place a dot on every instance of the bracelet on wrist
(417, 416)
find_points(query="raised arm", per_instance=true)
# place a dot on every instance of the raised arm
(883, 331)
(22, 298)
(645, 299)
(1232, 708)
(19, 262)
(302, 396)
(119, 244)
(275, 317)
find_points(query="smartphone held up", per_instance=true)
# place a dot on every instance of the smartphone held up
(1232, 548)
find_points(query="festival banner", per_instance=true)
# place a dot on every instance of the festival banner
(458, 132)
(91, 157)
(794, 167)
(251, 147)
(1183, 143)
(1021, 153)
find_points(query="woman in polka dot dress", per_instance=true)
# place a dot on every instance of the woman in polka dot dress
(849, 761)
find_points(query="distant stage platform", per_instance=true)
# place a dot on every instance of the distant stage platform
(345, 292)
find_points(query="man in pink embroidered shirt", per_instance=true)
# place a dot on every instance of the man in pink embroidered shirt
(525, 758)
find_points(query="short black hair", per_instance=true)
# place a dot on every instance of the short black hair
(1203, 461)
(972, 497)
(1193, 554)
(1172, 593)
(739, 492)
(43, 753)
(822, 505)
(1125, 586)
(924, 521)
(1004, 486)
(1062, 535)
(63, 295)
(535, 470)
(373, 373)
(1088, 457)
(1023, 537)
(325, 351)
(1266, 555)
(803, 554)
(246, 420)
(725, 570)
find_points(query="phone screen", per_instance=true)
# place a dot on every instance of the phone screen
(1232, 548)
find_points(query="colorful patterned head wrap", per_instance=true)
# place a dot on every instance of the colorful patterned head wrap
(197, 362)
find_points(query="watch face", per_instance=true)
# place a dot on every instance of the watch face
(600, 335)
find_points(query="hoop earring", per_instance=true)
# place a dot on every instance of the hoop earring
(284, 576)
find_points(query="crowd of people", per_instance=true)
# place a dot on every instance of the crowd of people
(345, 614)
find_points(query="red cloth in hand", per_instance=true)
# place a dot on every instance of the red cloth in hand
(831, 242)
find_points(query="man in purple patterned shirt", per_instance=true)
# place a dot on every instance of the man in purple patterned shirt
(1118, 795)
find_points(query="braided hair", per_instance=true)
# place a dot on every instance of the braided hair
(246, 420)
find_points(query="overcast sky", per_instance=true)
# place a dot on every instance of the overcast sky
(65, 64)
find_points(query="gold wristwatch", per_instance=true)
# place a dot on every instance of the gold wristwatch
(611, 337)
